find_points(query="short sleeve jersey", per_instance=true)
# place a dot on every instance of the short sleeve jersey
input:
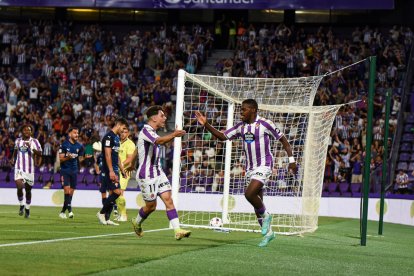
(76, 149)
(256, 141)
(111, 140)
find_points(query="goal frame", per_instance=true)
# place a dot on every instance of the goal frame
(308, 211)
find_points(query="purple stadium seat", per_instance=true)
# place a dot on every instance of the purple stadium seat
(89, 179)
(408, 128)
(344, 189)
(57, 179)
(402, 166)
(411, 166)
(410, 118)
(407, 137)
(405, 147)
(183, 181)
(47, 176)
(332, 188)
(39, 177)
(203, 181)
(404, 157)
(3, 176)
(356, 189)
(412, 156)
(399, 196)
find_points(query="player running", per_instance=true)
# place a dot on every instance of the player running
(255, 132)
(23, 160)
(150, 176)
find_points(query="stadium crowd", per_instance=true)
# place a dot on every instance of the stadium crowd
(54, 76)
(278, 51)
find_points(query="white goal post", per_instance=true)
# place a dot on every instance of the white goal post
(208, 176)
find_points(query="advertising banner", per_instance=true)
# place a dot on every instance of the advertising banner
(210, 4)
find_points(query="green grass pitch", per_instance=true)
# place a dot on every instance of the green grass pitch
(81, 246)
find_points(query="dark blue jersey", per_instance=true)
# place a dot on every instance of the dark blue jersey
(99, 159)
(110, 140)
(75, 150)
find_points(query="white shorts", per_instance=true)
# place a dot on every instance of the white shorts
(260, 173)
(28, 178)
(152, 187)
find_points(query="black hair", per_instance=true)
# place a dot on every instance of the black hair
(27, 125)
(251, 103)
(121, 121)
(153, 110)
(72, 128)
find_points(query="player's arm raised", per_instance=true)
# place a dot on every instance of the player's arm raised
(288, 149)
(167, 138)
(203, 121)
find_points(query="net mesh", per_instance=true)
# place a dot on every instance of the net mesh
(211, 183)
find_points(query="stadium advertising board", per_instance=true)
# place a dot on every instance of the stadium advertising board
(49, 3)
(209, 4)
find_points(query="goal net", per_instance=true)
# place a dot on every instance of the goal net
(209, 175)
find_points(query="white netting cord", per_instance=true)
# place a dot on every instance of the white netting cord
(290, 91)
(317, 141)
(203, 158)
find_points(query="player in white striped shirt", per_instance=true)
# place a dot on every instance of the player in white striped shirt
(256, 133)
(25, 149)
(150, 176)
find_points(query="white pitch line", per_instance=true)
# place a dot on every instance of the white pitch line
(78, 238)
(29, 231)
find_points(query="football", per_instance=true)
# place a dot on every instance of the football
(216, 222)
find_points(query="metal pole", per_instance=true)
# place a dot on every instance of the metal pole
(177, 141)
(371, 91)
(227, 163)
(384, 160)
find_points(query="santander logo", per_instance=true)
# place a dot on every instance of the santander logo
(173, 1)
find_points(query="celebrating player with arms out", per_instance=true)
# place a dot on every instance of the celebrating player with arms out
(150, 176)
(69, 153)
(255, 132)
(111, 167)
(25, 148)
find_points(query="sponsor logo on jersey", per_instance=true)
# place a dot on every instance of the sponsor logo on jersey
(249, 137)
(23, 149)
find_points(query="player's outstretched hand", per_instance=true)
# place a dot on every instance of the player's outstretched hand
(293, 168)
(179, 132)
(200, 117)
